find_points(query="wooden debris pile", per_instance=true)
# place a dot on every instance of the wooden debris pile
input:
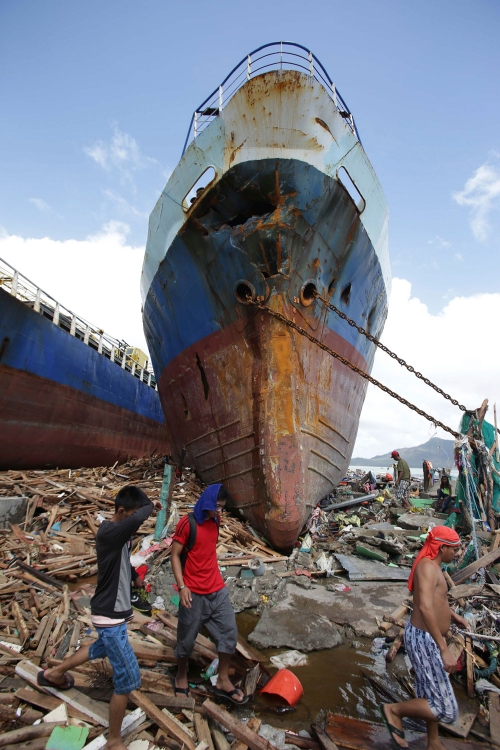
(157, 716)
(44, 614)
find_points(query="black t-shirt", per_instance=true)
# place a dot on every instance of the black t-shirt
(114, 572)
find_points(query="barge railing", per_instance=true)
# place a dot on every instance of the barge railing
(20, 287)
(273, 56)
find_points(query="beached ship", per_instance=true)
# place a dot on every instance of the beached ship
(70, 395)
(273, 199)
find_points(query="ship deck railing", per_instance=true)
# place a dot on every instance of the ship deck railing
(273, 56)
(19, 286)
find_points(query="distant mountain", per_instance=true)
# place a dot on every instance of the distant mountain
(436, 450)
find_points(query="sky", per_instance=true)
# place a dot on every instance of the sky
(96, 102)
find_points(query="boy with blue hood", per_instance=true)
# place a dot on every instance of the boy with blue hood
(204, 598)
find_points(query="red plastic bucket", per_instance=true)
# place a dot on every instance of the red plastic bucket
(285, 684)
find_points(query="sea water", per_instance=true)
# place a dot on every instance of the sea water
(418, 473)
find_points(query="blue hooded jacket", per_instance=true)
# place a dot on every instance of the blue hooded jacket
(206, 501)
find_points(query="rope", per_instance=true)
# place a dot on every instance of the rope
(351, 366)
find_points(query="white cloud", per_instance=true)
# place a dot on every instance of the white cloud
(453, 349)
(40, 204)
(439, 242)
(128, 209)
(481, 194)
(122, 153)
(97, 278)
(458, 257)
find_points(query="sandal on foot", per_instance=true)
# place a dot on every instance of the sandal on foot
(183, 691)
(68, 683)
(390, 728)
(229, 695)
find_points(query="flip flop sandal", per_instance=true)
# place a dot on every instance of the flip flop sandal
(390, 728)
(182, 691)
(44, 682)
(228, 695)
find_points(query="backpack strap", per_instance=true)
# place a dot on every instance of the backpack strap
(193, 529)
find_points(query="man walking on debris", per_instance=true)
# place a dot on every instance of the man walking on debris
(425, 643)
(111, 609)
(204, 598)
(402, 479)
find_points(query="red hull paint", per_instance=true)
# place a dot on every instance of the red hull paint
(269, 414)
(46, 424)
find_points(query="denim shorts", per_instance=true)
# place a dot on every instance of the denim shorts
(113, 643)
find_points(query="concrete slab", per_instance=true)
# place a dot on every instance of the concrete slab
(304, 609)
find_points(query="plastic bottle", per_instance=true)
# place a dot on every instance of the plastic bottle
(212, 668)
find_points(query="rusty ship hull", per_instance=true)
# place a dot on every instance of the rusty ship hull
(254, 404)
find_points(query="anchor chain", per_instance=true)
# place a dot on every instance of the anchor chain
(350, 365)
(385, 349)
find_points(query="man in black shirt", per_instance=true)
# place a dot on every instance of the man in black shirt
(111, 608)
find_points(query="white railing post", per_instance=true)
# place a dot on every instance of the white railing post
(149, 379)
(112, 353)
(72, 328)
(124, 359)
(334, 94)
(55, 317)
(133, 367)
(195, 124)
(249, 67)
(86, 335)
(99, 348)
(220, 98)
(36, 306)
(311, 64)
(15, 280)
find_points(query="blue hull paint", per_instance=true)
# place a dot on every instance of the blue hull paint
(37, 346)
(321, 238)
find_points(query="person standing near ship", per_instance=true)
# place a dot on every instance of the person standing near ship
(402, 479)
(426, 645)
(204, 598)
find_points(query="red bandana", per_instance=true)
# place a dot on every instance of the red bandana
(435, 538)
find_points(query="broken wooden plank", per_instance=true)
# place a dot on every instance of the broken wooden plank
(96, 710)
(253, 724)
(161, 719)
(203, 730)
(240, 731)
(483, 562)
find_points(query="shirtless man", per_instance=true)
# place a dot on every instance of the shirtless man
(426, 645)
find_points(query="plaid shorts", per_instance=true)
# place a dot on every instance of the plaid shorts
(113, 643)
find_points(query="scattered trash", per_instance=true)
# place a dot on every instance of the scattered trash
(289, 659)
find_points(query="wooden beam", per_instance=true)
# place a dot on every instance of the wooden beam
(483, 562)
(323, 738)
(162, 720)
(97, 711)
(240, 731)
(253, 724)
(203, 730)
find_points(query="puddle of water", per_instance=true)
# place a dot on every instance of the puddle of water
(332, 681)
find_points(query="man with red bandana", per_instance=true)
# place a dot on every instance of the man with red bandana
(425, 643)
